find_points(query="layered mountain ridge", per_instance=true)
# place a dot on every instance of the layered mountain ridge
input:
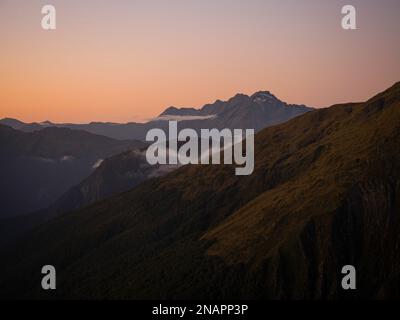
(325, 193)
(256, 112)
(37, 167)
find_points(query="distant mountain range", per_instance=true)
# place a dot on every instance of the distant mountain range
(41, 161)
(258, 111)
(325, 193)
(38, 167)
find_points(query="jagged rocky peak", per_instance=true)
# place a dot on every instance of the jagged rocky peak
(263, 96)
(239, 97)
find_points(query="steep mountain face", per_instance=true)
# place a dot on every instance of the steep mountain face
(240, 112)
(36, 168)
(325, 192)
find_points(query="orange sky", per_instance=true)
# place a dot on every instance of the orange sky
(128, 60)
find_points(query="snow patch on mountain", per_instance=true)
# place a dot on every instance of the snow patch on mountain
(97, 163)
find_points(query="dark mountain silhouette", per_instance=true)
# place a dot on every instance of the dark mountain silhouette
(13, 123)
(325, 193)
(37, 167)
(182, 112)
(22, 126)
(258, 111)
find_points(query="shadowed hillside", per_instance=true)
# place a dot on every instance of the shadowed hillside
(325, 192)
(37, 167)
(115, 174)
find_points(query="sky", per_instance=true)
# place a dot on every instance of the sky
(127, 60)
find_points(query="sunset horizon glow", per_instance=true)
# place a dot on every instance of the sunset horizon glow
(127, 61)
